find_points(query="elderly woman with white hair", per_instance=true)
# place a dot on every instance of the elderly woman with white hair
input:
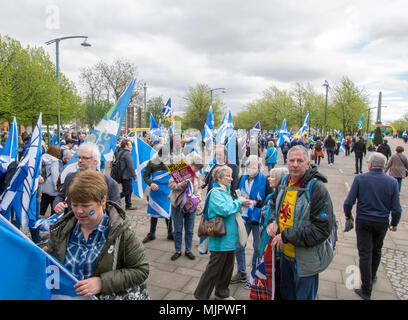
(254, 187)
(89, 158)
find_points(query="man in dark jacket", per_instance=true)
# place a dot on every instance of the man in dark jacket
(385, 149)
(330, 144)
(88, 159)
(359, 149)
(300, 224)
(378, 196)
(127, 172)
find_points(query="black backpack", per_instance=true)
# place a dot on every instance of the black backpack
(116, 168)
(318, 146)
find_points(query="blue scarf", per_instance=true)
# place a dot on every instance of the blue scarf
(257, 192)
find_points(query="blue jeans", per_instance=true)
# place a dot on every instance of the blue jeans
(240, 251)
(294, 288)
(178, 218)
(399, 183)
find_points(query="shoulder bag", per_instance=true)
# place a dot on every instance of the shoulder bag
(213, 227)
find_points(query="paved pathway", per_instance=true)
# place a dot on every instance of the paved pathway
(178, 279)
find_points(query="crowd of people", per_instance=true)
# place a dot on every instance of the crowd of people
(288, 210)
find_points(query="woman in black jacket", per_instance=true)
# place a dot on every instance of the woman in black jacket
(329, 145)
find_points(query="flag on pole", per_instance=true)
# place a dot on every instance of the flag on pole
(29, 273)
(231, 149)
(360, 123)
(302, 130)
(141, 154)
(208, 131)
(342, 140)
(257, 127)
(21, 194)
(283, 133)
(106, 133)
(167, 110)
(9, 152)
(226, 128)
(275, 132)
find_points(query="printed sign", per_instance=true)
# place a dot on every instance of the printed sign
(180, 171)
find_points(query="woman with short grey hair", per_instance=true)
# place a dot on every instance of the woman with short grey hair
(398, 165)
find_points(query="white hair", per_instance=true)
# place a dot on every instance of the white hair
(378, 160)
(254, 159)
(96, 154)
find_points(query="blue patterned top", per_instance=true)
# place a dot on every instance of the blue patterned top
(81, 255)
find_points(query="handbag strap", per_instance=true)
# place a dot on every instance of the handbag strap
(206, 203)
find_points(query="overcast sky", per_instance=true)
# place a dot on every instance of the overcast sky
(244, 46)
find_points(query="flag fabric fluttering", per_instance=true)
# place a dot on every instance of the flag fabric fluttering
(282, 133)
(208, 131)
(275, 132)
(342, 140)
(226, 128)
(231, 149)
(360, 124)
(257, 127)
(29, 273)
(167, 110)
(159, 205)
(106, 133)
(21, 194)
(141, 154)
(155, 129)
(9, 152)
(302, 130)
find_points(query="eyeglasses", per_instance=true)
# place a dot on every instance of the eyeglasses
(84, 158)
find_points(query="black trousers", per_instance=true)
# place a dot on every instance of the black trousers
(217, 274)
(370, 239)
(359, 161)
(127, 189)
(46, 200)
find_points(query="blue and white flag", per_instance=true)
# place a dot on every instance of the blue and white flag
(404, 134)
(106, 133)
(226, 128)
(208, 131)
(282, 133)
(167, 110)
(275, 132)
(360, 124)
(159, 205)
(141, 154)
(342, 140)
(21, 194)
(45, 223)
(54, 140)
(257, 127)
(29, 273)
(155, 129)
(9, 152)
(231, 149)
(302, 130)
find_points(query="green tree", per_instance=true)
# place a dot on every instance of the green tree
(155, 106)
(378, 138)
(349, 104)
(198, 104)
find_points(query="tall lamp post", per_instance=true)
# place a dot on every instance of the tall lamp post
(57, 41)
(211, 91)
(144, 111)
(326, 84)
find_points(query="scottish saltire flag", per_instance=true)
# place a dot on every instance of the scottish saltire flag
(155, 129)
(106, 133)
(275, 132)
(9, 152)
(141, 154)
(29, 273)
(231, 149)
(167, 110)
(342, 140)
(360, 123)
(226, 128)
(302, 130)
(257, 127)
(209, 166)
(159, 205)
(21, 194)
(45, 223)
(282, 133)
(208, 131)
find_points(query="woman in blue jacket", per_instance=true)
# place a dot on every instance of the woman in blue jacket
(221, 265)
(271, 157)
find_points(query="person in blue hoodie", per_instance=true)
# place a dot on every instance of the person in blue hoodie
(271, 157)
(377, 196)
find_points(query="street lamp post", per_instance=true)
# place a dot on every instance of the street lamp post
(211, 91)
(326, 84)
(57, 41)
(144, 111)
(93, 109)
